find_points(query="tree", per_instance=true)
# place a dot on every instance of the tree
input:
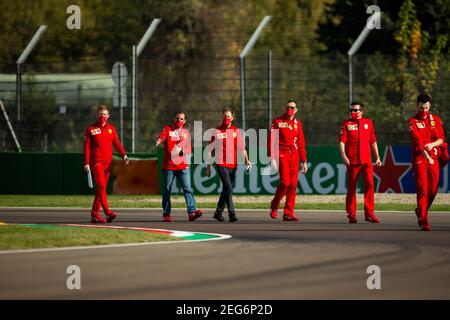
(344, 20)
(419, 55)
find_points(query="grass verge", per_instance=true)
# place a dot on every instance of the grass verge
(154, 201)
(14, 237)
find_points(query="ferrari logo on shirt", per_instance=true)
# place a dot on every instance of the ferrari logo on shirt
(110, 131)
(96, 131)
(366, 126)
(432, 123)
(234, 134)
(295, 126)
(420, 125)
(352, 127)
(222, 135)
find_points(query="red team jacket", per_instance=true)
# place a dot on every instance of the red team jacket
(358, 136)
(175, 137)
(98, 142)
(226, 142)
(290, 137)
(425, 131)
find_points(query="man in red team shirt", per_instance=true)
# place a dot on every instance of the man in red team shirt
(427, 135)
(177, 144)
(356, 137)
(98, 141)
(226, 140)
(291, 150)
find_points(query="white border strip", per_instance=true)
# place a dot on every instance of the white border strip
(173, 233)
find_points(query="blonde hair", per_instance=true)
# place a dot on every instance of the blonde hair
(102, 108)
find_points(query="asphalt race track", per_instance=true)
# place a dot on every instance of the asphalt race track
(320, 257)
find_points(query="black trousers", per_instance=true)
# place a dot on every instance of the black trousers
(227, 176)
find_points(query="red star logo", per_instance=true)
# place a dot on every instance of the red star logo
(390, 173)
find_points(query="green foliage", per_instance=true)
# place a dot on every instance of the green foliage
(343, 21)
(419, 55)
(406, 24)
(154, 201)
(191, 61)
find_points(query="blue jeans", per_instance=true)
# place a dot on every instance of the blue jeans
(184, 179)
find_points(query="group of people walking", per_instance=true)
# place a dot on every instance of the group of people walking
(287, 151)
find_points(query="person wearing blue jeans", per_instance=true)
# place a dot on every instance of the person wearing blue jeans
(184, 180)
(177, 144)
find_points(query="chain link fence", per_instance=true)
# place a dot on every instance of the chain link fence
(59, 100)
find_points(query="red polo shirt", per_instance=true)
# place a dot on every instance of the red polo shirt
(290, 137)
(172, 137)
(358, 136)
(98, 142)
(226, 142)
(423, 131)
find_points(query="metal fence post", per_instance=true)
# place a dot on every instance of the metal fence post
(269, 85)
(354, 48)
(137, 50)
(242, 56)
(242, 72)
(23, 57)
(134, 103)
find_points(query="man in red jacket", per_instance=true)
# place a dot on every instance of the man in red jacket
(177, 144)
(225, 141)
(356, 138)
(98, 141)
(427, 135)
(291, 150)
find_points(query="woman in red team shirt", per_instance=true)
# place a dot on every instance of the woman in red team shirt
(226, 140)
(98, 141)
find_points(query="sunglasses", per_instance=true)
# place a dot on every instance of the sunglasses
(355, 110)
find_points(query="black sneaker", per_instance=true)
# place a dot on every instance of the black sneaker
(232, 218)
(218, 217)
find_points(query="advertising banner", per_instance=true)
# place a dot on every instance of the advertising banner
(326, 174)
